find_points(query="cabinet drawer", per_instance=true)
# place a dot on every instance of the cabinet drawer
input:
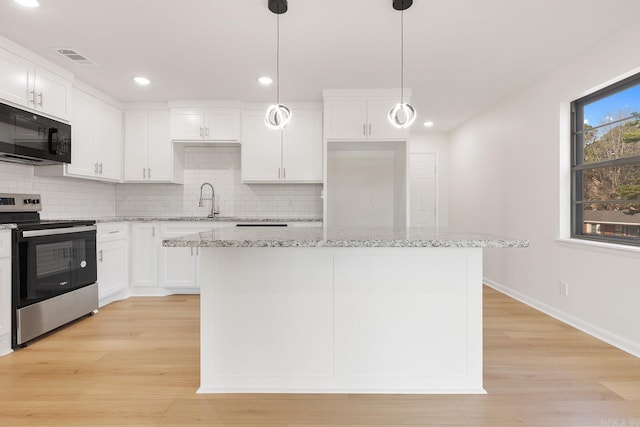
(112, 231)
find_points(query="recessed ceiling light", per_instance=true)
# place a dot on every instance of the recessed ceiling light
(142, 81)
(28, 3)
(264, 80)
(428, 124)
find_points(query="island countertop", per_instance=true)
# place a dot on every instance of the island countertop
(354, 237)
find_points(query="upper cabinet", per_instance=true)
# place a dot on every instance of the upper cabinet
(292, 155)
(360, 115)
(96, 141)
(205, 124)
(149, 155)
(33, 87)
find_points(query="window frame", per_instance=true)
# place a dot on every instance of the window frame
(578, 166)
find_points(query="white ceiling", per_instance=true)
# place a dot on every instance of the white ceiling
(460, 55)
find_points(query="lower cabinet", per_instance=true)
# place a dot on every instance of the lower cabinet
(156, 270)
(177, 266)
(113, 261)
(5, 292)
(144, 247)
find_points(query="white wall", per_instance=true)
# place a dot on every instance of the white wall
(61, 197)
(366, 184)
(220, 166)
(509, 175)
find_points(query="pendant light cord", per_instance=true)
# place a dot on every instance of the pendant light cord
(401, 56)
(278, 59)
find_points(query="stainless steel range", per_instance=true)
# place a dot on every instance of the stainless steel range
(53, 268)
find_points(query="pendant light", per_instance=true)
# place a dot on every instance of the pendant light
(278, 115)
(402, 115)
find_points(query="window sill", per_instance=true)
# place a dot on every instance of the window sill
(603, 247)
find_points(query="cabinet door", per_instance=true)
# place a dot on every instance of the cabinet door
(261, 159)
(108, 141)
(113, 257)
(52, 93)
(144, 255)
(14, 78)
(159, 148)
(135, 145)
(302, 147)
(82, 155)
(5, 292)
(346, 119)
(379, 126)
(222, 124)
(178, 265)
(187, 124)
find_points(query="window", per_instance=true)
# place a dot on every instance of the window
(605, 170)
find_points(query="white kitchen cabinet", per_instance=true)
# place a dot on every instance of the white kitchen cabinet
(113, 261)
(291, 155)
(28, 85)
(5, 292)
(149, 154)
(361, 118)
(96, 135)
(144, 247)
(205, 124)
(178, 265)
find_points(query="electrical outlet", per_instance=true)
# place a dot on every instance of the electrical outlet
(564, 288)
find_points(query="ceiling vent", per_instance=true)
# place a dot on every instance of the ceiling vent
(75, 56)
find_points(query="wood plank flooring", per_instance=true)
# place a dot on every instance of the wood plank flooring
(136, 363)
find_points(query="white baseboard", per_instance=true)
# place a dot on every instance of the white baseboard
(586, 327)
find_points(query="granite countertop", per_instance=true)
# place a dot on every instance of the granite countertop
(342, 237)
(7, 226)
(200, 218)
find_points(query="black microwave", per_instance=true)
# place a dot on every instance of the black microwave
(30, 138)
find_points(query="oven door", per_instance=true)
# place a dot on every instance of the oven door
(55, 261)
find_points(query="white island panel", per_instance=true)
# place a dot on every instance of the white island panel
(349, 320)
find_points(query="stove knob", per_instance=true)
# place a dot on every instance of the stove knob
(27, 201)
(36, 201)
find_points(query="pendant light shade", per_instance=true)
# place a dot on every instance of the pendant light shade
(278, 115)
(402, 115)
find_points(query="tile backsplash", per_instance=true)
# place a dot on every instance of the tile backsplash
(220, 166)
(61, 197)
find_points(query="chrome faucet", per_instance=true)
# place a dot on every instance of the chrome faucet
(213, 200)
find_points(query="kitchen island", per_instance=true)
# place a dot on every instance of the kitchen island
(317, 310)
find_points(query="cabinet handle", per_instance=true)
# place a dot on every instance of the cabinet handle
(198, 251)
(284, 173)
(201, 131)
(278, 173)
(153, 231)
(192, 251)
(369, 129)
(41, 98)
(95, 168)
(206, 132)
(100, 255)
(364, 129)
(100, 168)
(149, 173)
(114, 232)
(144, 173)
(33, 97)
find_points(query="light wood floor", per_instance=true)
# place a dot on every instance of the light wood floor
(136, 363)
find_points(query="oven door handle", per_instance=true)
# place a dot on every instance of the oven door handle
(57, 231)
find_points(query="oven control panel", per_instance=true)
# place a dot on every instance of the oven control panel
(20, 202)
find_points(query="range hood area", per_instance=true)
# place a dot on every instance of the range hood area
(31, 139)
